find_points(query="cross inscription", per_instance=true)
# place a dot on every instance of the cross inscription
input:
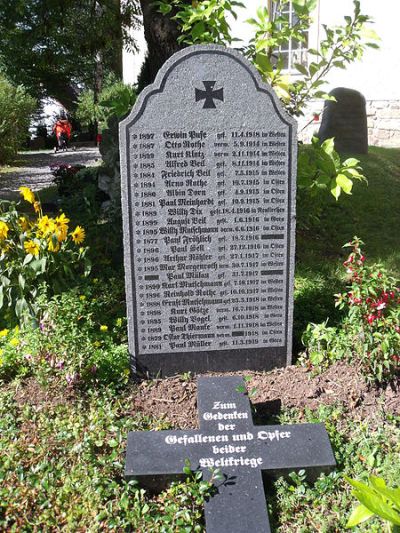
(209, 95)
(229, 441)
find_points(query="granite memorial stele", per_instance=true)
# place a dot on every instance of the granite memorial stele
(208, 160)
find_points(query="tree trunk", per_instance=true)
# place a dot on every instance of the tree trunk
(118, 44)
(161, 34)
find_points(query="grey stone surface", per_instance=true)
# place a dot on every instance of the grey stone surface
(346, 120)
(208, 159)
(228, 440)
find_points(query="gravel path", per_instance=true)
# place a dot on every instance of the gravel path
(34, 169)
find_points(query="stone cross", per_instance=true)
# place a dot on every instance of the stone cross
(228, 440)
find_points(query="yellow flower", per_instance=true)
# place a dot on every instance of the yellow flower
(97, 344)
(14, 342)
(103, 328)
(27, 194)
(46, 225)
(78, 235)
(61, 223)
(3, 230)
(82, 297)
(4, 332)
(52, 247)
(36, 206)
(24, 223)
(31, 247)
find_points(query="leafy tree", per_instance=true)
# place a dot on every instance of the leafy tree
(56, 47)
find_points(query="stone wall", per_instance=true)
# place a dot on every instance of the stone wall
(383, 122)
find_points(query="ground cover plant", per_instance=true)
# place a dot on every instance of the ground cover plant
(66, 403)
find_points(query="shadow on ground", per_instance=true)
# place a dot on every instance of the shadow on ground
(32, 169)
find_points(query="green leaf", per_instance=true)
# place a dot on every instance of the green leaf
(336, 190)
(301, 68)
(377, 505)
(21, 281)
(328, 145)
(263, 63)
(351, 162)
(262, 44)
(360, 514)
(21, 307)
(198, 30)
(27, 259)
(345, 183)
(316, 358)
(371, 499)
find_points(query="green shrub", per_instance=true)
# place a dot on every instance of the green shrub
(16, 108)
(369, 335)
(116, 99)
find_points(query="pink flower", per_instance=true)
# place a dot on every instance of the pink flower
(371, 318)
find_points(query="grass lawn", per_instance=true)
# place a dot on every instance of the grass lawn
(66, 403)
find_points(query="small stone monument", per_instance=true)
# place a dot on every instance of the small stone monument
(208, 161)
(346, 121)
(228, 440)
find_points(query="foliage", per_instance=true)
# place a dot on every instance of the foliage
(63, 45)
(65, 177)
(341, 46)
(61, 467)
(79, 192)
(80, 341)
(204, 21)
(376, 500)
(16, 108)
(201, 21)
(369, 335)
(325, 504)
(320, 168)
(116, 98)
(36, 254)
(62, 456)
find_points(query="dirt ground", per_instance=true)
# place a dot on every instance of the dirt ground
(174, 399)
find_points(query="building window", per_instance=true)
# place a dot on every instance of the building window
(293, 51)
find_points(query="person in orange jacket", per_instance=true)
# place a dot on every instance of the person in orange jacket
(63, 129)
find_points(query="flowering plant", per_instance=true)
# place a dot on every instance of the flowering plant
(65, 177)
(370, 332)
(36, 253)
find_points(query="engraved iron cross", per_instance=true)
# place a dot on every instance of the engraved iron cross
(209, 95)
